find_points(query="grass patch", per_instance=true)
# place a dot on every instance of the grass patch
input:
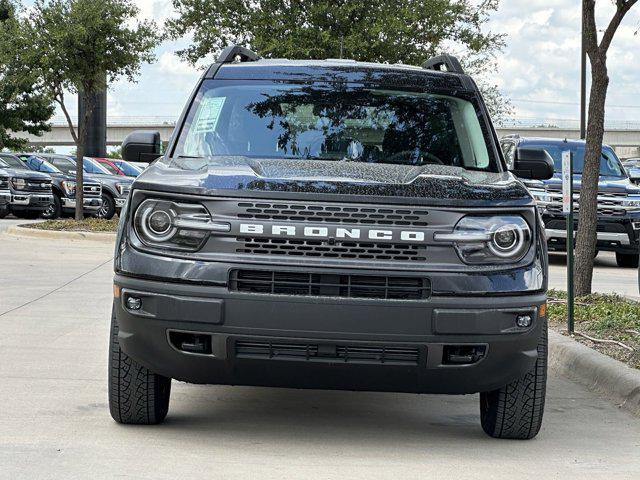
(70, 225)
(610, 317)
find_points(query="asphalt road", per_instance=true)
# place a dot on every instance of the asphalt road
(607, 276)
(55, 424)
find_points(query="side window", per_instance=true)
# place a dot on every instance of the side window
(509, 151)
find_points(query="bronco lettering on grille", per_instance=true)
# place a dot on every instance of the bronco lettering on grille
(332, 232)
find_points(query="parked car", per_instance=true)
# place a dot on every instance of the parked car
(64, 188)
(632, 165)
(31, 192)
(129, 169)
(115, 188)
(5, 193)
(112, 167)
(618, 227)
(356, 231)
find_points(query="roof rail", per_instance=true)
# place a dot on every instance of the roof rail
(444, 63)
(233, 52)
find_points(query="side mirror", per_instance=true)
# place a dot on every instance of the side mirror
(533, 164)
(141, 146)
(634, 175)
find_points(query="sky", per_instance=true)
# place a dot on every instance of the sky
(538, 69)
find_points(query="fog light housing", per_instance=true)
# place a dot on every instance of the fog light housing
(524, 321)
(134, 303)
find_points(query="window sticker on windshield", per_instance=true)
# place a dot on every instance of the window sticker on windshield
(208, 114)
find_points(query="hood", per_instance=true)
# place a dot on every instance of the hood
(108, 178)
(605, 184)
(26, 174)
(428, 184)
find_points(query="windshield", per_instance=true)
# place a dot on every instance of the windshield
(40, 165)
(13, 163)
(610, 166)
(128, 169)
(3, 164)
(333, 123)
(112, 170)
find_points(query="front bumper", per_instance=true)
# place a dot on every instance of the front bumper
(31, 200)
(615, 234)
(5, 198)
(327, 325)
(90, 203)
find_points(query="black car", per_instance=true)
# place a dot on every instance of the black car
(618, 226)
(5, 193)
(64, 188)
(115, 188)
(31, 192)
(332, 224)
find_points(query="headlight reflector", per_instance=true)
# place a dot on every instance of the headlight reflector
(69, 188)
(19, 183)
(490, 239)
(175, 226)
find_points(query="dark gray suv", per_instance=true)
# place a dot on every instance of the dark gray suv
(338, 225)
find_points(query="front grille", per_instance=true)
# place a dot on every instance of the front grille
(317, 248)
(330, 285)
(609, 204)
(4, 183)
(39, 186)
(367, 354)
(318, 213)
(92, 190)
(602, 210)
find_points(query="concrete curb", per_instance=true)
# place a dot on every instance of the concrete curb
(611, 378)
(20, 231)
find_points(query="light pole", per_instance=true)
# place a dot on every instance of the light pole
(583, 83)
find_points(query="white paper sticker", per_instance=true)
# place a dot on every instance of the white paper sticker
(208, 114)
(566, 181)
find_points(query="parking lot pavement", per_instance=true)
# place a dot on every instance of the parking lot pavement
(607, 276)
(54, 419)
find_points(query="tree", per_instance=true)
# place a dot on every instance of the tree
(408, 31)
(79, 47)
(597, 53)
(24, 104)
(116, 153)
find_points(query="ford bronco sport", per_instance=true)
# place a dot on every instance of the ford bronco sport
(338, 225)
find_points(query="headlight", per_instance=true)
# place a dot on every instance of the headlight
(69, 188)
(19, 183)
(487, 240)
(123, 188)
(631, 201)
(540, 196)
(175, 226)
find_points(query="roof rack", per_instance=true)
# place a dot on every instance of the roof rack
(444, 63)
(236, 52)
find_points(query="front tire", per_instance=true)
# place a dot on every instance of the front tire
(136, 395)
(54, 210)
(515, 411)
(627, 260)
(108, 208)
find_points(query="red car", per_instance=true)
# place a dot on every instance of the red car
(109, 165)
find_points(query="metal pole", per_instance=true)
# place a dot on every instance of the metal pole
(583, 84)
(567, 175)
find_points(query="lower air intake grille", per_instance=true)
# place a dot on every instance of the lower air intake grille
(328, 353)
(330, 285)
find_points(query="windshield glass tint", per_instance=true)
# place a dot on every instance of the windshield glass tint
(13, 163)
(128, 169)
(333, 123)
(609, 164)
(112, 170)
